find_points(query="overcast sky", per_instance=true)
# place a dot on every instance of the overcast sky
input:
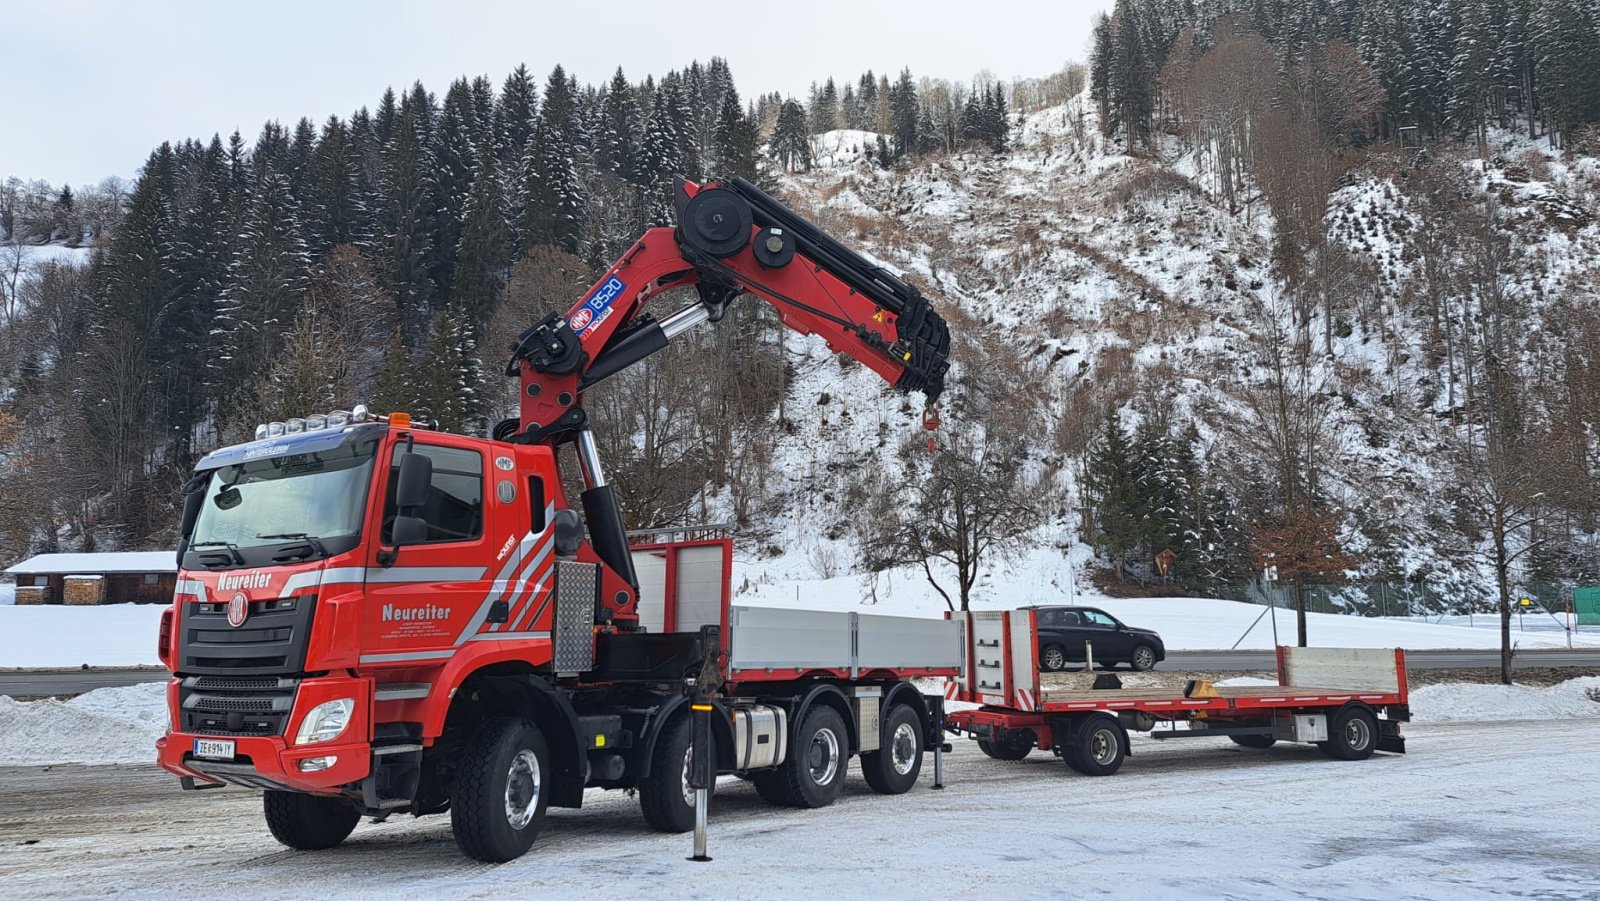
(89, 87)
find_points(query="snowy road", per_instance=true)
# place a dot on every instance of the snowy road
(1476, 810)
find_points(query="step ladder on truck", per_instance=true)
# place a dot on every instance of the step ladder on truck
(1349, 702)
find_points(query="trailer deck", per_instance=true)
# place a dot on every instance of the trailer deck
(1348, 701)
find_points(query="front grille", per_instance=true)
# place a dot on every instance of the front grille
(271, 641)
(210, 705)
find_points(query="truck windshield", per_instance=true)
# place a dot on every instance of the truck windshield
(320, 495)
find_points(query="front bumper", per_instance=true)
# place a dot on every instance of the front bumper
(271, 761)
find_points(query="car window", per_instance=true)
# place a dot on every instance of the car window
(454, 511)
(1069, 618)
(1049, 617)
(1096, 618)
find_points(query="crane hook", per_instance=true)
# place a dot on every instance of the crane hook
(930, 421)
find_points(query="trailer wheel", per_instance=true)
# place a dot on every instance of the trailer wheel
(308, 822)
(1352, 734)
(665, 797)
(813, 775)
(1096, 746)
(1052, 658)
(501, 791)
(1013, 744)
(1144, 658)
(894, 768)
(1259, 742)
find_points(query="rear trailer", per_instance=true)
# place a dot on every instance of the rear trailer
(1349, 702)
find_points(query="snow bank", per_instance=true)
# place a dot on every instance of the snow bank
(8, 594)
(53, 636)
(1454, 702)
(108, 725)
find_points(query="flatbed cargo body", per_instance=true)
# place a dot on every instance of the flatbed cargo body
(1349, 701)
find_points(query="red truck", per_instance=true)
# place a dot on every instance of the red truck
(1350, 702)
(375, 617)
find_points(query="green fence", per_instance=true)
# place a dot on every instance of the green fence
(1586, 603)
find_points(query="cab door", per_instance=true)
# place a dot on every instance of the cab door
(423, 602)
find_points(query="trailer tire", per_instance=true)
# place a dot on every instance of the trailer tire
(664, 796)
(308, 822)
(814, 774)
(1052, 658)
(894, 768)
(1259, 742)
(1013, 744)
(1096, 746)
(1352, 734)
(501, 790)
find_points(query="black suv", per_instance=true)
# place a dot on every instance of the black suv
(1063, 632)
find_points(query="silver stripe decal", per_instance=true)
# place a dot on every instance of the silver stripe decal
(408, 655)
(497, 590)
(502, 589)
(522, 581)
(507, 636)
(194, 587)
(403, 691)
(535, 593)
(425, 574)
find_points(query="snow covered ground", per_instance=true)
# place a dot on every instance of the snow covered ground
(1475, 810)
(54, 636)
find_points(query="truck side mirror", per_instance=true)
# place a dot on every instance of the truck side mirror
(409, 530)
(411, 486)
(569, 532)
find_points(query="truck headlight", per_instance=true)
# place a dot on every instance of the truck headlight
(325, 722)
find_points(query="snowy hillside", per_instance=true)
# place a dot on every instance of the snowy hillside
(1111, 279)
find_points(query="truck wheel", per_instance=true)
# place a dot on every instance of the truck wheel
(1144, 658)
(1352, 734)
(1012, 745)
(1259, 742)
(893, 768)
(813, 775)
(1052, 658)
(308, 822)
(501, 791)
(665, 796)
(1096, 747)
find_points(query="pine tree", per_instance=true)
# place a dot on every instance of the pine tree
(791, 139)
(619, 127)
(405, 218)
(514, 116)
(1567, 47)
(737, 141)
(267, 281)
(481, 259)
(454, 157)
(824, 114)
(335, 205)
(659, 160)
(903, 110)
(388, 113)
(1111, 487)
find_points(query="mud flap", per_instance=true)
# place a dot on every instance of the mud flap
(1389, 737)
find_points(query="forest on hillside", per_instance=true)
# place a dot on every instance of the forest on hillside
(391, 256)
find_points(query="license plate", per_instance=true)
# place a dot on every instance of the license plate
(213, 748)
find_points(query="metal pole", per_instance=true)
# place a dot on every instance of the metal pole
(701, 801)
(938, 750)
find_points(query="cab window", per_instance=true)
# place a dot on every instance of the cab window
(454, 510)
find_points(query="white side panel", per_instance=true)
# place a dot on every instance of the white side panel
(1024, 642)
(907, 641)
(988, 657)
(652, 569)
(699, 588)
(762, 637)
(1352, 669)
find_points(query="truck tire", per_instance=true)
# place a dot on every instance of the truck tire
(894, 767)
(1143, 658)
(665, 797)
(1095, 747)
(1052, 658)
(1014, 744)
(813, 775)
(1352, 734)
(1259, 742)
(501, 790)
(308, 822)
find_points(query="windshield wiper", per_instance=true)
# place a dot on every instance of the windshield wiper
(312, 540)
(233, 549)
